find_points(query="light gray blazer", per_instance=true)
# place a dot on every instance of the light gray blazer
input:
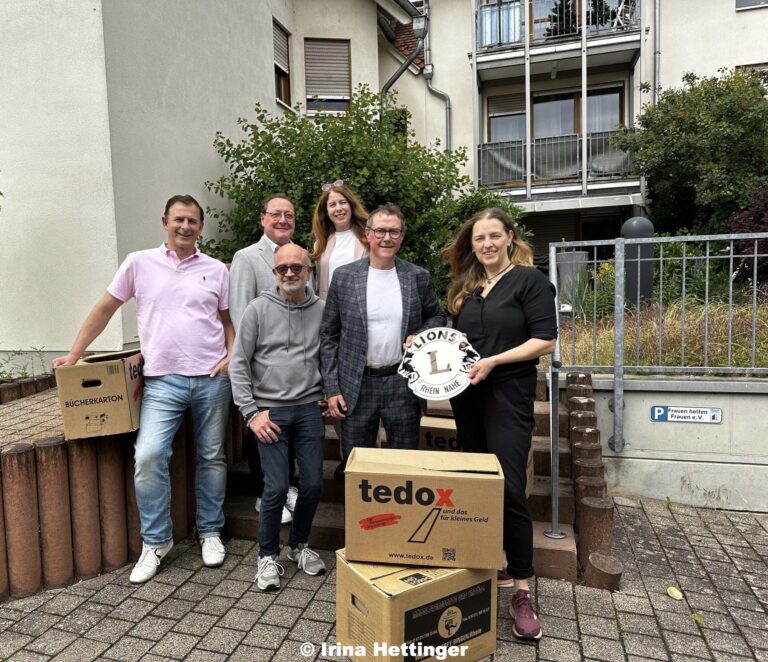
(250, 273)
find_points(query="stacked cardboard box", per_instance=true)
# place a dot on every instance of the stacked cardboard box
(439, 511)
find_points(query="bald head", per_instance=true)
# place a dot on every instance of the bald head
(292, 270)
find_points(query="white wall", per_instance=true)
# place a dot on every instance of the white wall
(177, 72)
(57, 230)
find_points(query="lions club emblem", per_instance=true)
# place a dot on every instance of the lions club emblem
(437, 363)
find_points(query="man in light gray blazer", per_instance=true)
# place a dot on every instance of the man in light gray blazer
(374, 308)
(250, 274)
(251, 270)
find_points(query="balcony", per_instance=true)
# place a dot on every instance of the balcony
(503, 25)
(553, 161)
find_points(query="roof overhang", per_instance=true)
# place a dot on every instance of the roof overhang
(401, 10)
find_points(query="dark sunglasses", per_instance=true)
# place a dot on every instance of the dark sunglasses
(282, 269)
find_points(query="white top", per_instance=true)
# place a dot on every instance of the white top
(385, 318)
(343, 252)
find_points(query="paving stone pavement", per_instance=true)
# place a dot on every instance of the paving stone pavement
(718, 559)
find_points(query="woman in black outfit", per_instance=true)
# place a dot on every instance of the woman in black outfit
(506, 308)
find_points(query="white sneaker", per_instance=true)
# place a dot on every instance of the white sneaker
(268, 573)
(148, 563)
(213, 551)
(293, 494)
(286, 517)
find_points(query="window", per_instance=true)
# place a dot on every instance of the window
(506, 118)
(282, 69)
(603, 111)
(327, 71)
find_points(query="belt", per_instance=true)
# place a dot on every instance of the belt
(385, 371)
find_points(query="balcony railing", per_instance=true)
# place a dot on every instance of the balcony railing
(552, 160)
(504, 24)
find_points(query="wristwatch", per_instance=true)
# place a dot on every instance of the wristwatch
(250, 416)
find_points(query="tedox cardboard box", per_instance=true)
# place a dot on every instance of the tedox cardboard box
(101, 395)
(440, 434)
(424, 508)
(396, 612)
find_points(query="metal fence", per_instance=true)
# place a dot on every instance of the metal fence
(659, 305)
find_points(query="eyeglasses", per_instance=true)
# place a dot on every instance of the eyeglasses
(330, 185)
(379, 233)
(295, 269)
(276, 215)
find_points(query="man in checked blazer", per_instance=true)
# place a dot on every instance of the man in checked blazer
(374, 308)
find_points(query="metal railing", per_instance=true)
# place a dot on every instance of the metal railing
(502, 24)
(619, 293)
(552, 159)
(662, 305)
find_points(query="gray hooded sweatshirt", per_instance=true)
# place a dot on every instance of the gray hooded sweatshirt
(276, 359)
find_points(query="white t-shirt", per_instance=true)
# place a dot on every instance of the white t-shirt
(343, 252)
(385, 318)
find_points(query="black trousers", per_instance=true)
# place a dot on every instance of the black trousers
(497, 417)
(251, 447)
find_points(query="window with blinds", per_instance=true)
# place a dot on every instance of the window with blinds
(282, 64)
(506, 118)
(327, 74)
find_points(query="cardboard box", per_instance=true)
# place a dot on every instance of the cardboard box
(412, 609)
(424, 508)
(440, 434)
(439, 408)
(101, 395)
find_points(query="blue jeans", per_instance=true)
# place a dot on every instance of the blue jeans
(163, 405)
(302, 426)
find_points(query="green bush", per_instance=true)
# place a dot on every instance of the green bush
(372, 151)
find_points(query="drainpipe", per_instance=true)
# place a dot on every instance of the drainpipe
(476, 132)
(400, 71)
(428, 73)
(656, 50)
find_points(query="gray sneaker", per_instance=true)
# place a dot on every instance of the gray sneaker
(268, 573)
(309, 561)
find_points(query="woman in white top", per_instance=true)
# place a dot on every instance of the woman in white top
(338, 229)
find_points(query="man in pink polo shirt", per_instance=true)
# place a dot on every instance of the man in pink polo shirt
(186, 338)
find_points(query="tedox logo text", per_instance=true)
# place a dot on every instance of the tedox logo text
(405, 494)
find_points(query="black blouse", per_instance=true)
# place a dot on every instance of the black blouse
(519, 307)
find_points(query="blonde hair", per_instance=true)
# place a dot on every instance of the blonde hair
(466, 271)
(322, 225)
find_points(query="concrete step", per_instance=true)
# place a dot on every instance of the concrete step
(542, 456)
(540, 500)
(541, 418)
(551, 558)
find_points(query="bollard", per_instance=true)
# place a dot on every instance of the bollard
(582, 419)
(577, 391)
(595, 525)
(27, 386)
(603, 571)
(22, 539)
(578, 378)
(9, 392)
(578, 403)
(42, 383)
(178, 473)
(541, 388)
(585, 486)
(585, 450)
(55, 515)
(84, 497)
(588, 467)
(585, 433)
(112, 516)
(132, 521)
(3, 556)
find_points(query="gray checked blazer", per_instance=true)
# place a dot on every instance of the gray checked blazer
(250, 273)
(344, 330)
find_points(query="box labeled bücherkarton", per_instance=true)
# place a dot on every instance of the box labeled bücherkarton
(432, 508)
(404, 613)
(101, 394)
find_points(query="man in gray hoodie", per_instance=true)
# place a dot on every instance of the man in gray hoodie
(276, 383)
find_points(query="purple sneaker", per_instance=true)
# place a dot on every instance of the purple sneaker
(526, 624)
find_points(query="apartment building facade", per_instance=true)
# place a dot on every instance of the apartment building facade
(110, 106)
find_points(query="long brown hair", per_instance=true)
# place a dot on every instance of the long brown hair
(322, 225)
(466, 271)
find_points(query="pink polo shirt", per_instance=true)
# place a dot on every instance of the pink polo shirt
(177, 302)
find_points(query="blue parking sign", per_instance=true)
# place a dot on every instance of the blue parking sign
(659, 413)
